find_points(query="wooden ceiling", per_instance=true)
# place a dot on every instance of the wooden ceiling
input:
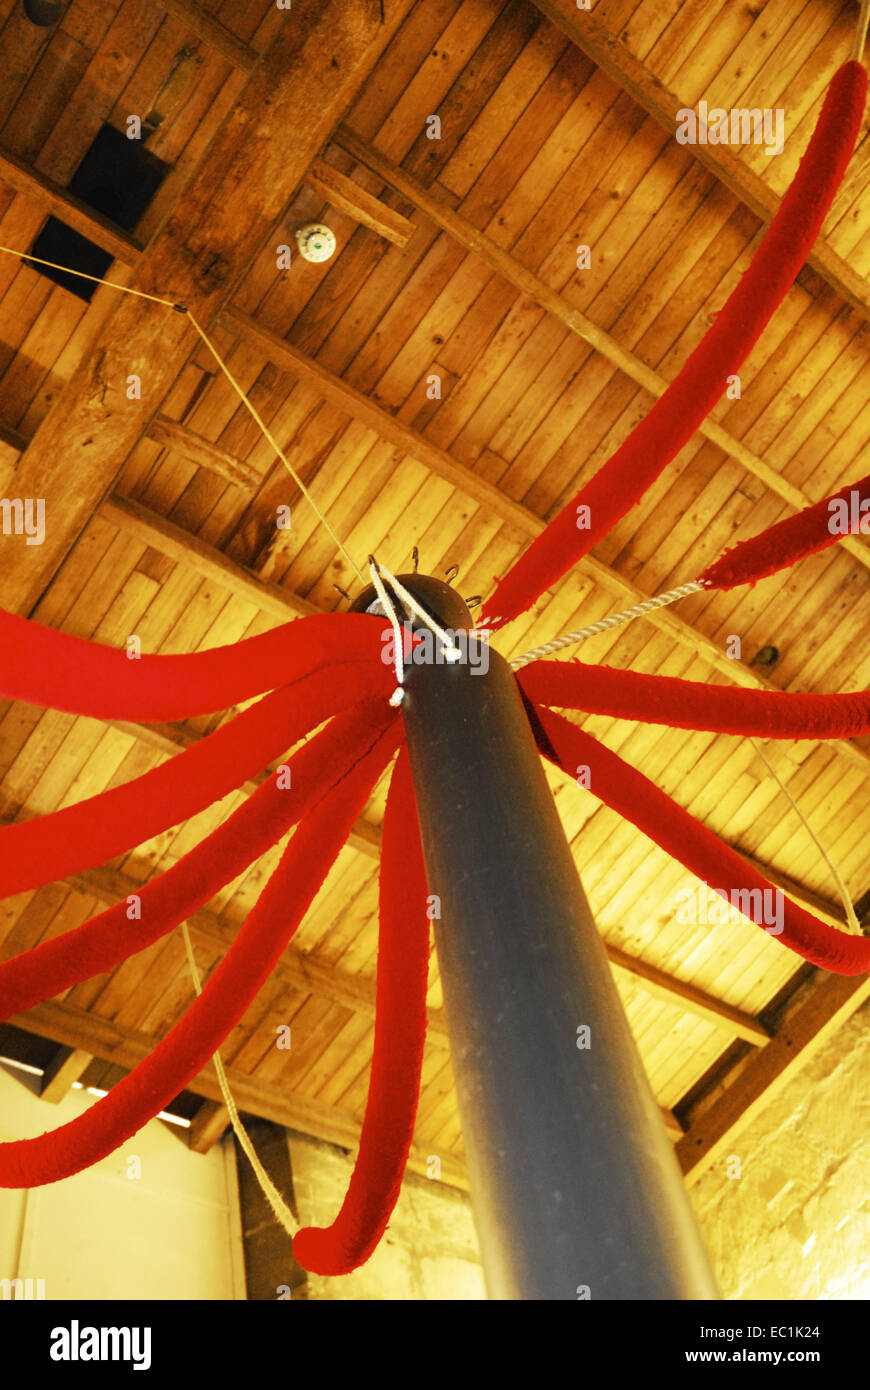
(457, 256)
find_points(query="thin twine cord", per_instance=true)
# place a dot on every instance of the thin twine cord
(275, 445)
(852, 920)
(249, 406)
(614, 620)
(282, 1212)
(389, 608)
(26, 256)
(451, 651)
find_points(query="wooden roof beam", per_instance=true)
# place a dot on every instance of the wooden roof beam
(67, 1066)
(213, 33)
(340, 393)
(530, 284)
(254, 164)
(342, 193)
(89, 1032)
(45, 193)
(817, 1009)
(201, 453)
(208, 1124)
(611, 55)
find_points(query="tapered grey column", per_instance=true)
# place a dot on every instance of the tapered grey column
(575, 1188)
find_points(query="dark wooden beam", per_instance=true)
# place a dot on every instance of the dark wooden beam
(77, 1028)
(342, 193)
(67, 1066)
(817, 1010)
(47, 194)
(258, 158)
(208, 1124)
(213, 33)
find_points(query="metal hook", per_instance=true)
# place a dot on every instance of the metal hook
(415, 556)
(342, 591)
(450, 573)
(474, 601)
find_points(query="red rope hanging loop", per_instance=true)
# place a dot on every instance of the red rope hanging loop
(99, 944)
(400, 1030)
(244, 970)
(58, 671)
(625, 477)
(640, 801)
(721, 709)
(78, 837)
(846, 512)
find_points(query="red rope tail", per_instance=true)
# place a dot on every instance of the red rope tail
(184, 1052)
(637, 799)
(627, 474)
(844, 513)
(400, 1029)
(58, 671)
(49, 847)
(98, 945)
(721, 709)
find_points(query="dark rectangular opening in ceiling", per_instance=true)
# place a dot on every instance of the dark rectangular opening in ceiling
(117, 177)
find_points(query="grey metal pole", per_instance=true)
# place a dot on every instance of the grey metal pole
(575, 1187)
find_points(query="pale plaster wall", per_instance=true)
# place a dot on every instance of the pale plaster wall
(171, 1232)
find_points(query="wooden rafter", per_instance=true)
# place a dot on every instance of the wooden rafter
(537, 289)
(818, 1008)
(340, 393)
(613, 57)
(213, 33)
(45, 193)
(300, 88)
(341, 192)
(89, 1032)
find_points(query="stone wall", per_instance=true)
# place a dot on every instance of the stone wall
(429, 1251)
(793, 1219)
(785, 1214)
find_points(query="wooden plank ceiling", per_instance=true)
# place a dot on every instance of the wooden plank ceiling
(457, 257)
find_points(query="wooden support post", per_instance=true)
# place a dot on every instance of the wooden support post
(68, 1065)
(271, 1271)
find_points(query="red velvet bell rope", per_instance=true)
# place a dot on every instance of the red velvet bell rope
(247, 965)
(58, 671)
(400, 1030)
(692, 705)
(96, 946)
(49, 847)
(791, 540)
(627, 474)
(638, 799)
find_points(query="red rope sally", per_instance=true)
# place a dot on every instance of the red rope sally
(59, 671)
(692, 705)
(625, 477)
(400, 1031)
(97, 945)
(640, 801)
(244, 970)
(782, 545)
(90, 832)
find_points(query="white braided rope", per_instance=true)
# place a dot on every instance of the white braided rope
(614, 620)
